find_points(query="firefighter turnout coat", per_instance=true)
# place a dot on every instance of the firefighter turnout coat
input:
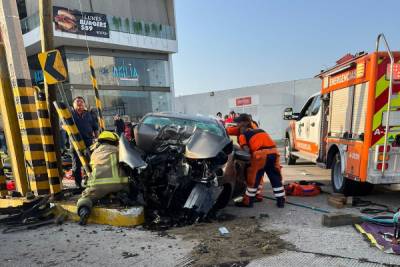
(106, 177)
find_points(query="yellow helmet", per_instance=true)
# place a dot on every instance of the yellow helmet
(108, 136)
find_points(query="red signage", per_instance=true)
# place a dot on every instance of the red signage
(396, 72)
(243, 101)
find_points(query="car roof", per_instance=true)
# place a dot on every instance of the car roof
(176, 115)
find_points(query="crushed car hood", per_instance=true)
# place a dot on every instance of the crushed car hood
(129, 155)
(204, 145)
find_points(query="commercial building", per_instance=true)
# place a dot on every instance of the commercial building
(131, 43)
(264, 102)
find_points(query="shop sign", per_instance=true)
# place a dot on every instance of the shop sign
(243, 101)
(124, 72)
(75, 21)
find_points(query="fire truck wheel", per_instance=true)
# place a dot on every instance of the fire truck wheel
(343, 185)
(340, 183)
(289, 159)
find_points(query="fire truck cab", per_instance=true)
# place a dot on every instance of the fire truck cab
(352, 126)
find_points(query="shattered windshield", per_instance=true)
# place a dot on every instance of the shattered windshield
(159, 122)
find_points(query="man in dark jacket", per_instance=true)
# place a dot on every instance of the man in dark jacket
(88, 128)
(119, 125)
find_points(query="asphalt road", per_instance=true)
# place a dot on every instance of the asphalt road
(314, 245)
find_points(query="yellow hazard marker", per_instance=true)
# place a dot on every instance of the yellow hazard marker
(3, 188)
(79, 146)
(96, 95)
(48, 142)
(13, 202)
(126, 217)
(24, 96)
(53, 66)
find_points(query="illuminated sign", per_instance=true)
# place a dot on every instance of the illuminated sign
(124, 72)
(343, 77)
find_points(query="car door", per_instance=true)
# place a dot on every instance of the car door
(313, 126)
(303, 127)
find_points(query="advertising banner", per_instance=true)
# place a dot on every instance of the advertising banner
(73, 21)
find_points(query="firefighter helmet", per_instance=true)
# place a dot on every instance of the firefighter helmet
(107, 136)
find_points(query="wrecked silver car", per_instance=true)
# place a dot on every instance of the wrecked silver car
(183, 166)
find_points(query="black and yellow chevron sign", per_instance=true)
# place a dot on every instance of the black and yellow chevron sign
(53, 66)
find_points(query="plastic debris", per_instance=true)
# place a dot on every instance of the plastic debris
(223, 230)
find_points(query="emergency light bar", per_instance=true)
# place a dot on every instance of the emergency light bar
(346, 67)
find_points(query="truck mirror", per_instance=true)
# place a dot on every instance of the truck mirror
(288, 114)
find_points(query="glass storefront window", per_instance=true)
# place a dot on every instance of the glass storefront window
(134, 104)
(119, 71)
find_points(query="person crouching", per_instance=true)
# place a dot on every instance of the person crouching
(106, 177)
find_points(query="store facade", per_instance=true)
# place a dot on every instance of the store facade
(130, 83)
(133, 66)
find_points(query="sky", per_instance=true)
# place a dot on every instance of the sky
(225, 44)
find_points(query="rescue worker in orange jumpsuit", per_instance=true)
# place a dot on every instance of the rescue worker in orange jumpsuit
(264, 159)
(235, 131)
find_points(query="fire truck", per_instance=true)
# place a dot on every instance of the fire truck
(352, 126)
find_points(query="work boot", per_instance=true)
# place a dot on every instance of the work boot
(84, 213)
(280, 202)
(247, 202)
(259, 198)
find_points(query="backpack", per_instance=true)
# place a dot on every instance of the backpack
(302, 189)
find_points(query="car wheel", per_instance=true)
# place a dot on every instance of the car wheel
(289, 158)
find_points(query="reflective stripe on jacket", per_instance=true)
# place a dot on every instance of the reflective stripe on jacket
(104, 163)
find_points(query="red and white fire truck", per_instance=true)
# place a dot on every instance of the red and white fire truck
(353, 125)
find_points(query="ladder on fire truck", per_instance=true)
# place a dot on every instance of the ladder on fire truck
(388, 110)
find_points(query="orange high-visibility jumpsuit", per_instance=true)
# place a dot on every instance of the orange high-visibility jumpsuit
(235, 131)
(264, 159)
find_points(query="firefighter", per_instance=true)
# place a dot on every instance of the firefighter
(106, 177)
(264, 159)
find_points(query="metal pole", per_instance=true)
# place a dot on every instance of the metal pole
(47, 43)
